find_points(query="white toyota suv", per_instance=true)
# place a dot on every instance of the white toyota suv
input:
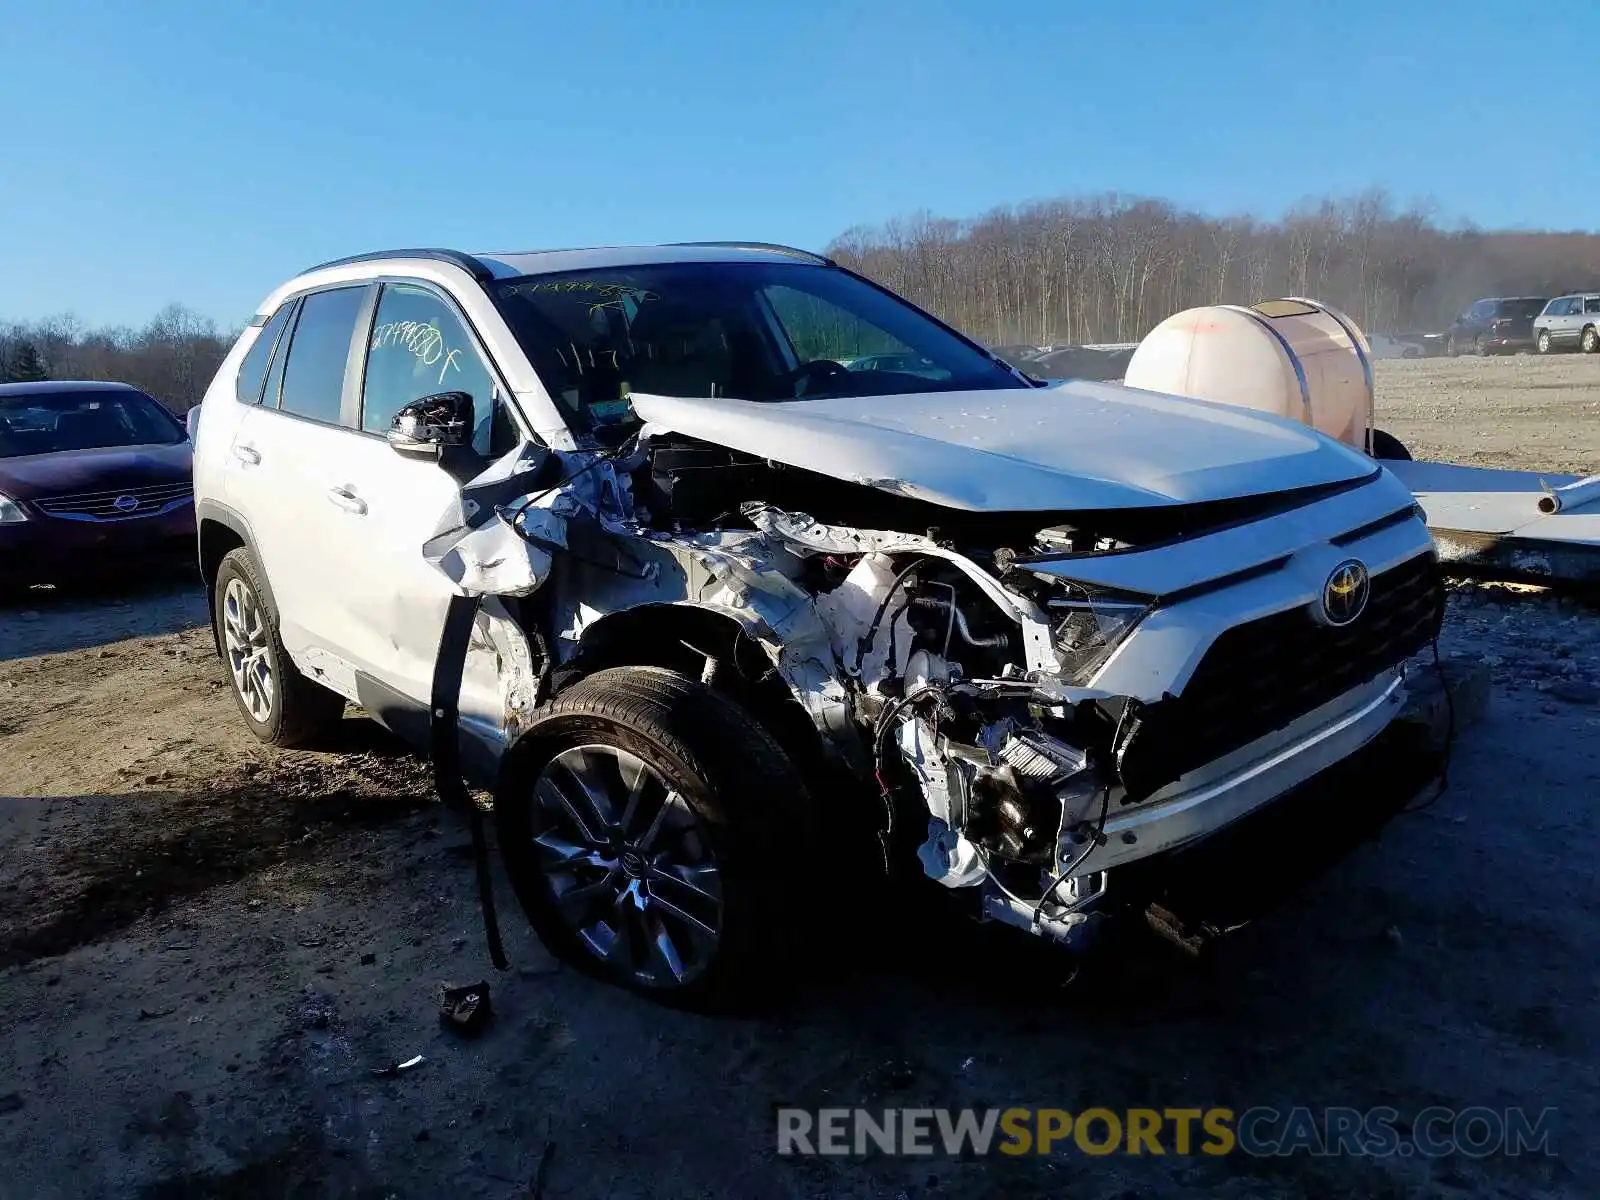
(730, 612)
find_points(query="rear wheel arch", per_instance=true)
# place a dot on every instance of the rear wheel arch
(281, 706)
(222, 531)
(217, 537)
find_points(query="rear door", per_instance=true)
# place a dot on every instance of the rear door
(1548, 321)
(1475, 321)
(290, 484)
(1563, 330)
(391, 606)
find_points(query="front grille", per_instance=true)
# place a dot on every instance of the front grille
(123, 504)
(1263, 675)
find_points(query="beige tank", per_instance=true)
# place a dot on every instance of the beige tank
(1297, 358)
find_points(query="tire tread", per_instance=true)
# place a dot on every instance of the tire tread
(753, 802)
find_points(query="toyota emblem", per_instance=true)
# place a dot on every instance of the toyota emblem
(1344, 596)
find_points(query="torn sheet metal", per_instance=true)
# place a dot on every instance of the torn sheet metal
(743, 576)
(500, 678)
(947, 857)
(798, 528)
(491, 561)
(478, 550)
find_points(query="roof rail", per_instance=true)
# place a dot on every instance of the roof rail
(775, 247)
(472, 266)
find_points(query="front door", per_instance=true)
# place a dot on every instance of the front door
(391, 603)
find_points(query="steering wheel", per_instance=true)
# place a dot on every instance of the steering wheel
(818, 370)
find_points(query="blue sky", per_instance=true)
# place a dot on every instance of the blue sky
(204, 150)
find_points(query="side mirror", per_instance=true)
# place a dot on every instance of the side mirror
(433, 422)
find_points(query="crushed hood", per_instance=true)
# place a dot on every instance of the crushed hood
(1077, 446)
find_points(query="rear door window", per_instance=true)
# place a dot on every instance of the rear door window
(1591, 304)
(313, 378)
(253, 370)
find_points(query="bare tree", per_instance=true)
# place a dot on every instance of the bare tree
(173, 357)
(1108, 267)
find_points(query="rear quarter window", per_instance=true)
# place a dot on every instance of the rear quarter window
(253, 370)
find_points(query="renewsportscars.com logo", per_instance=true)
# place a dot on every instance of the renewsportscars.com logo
(1263, 1132)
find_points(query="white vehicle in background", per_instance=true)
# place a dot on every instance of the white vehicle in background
(1569, 323)
(745, 615)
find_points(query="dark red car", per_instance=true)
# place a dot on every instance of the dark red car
(95, 479)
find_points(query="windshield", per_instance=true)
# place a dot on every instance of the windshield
(53, 422)
(769, 332)
(1519, 308)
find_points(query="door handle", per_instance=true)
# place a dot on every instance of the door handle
(348, 500)
(248, 455)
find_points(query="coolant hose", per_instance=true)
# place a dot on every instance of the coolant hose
(448, 668)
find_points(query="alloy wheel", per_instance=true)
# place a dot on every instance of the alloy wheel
(629, 864)
(244, 637)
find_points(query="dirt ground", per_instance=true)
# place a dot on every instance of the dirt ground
(208, 947)
(1525, 410)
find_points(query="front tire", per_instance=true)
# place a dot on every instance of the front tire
(1478, 348)
(1544, 341)
(653, 832)
(281, 706)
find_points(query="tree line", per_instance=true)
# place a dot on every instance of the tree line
(173, 357)
(1107, 268)
(1072, 270)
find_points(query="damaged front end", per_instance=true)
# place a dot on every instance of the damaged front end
(1028, 702)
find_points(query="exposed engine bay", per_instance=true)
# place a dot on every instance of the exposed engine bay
(949, 670)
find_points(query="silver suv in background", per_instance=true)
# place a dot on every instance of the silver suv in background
(1569, 323)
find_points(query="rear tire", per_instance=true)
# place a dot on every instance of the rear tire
(1451, 349)
(1590, 341)
(281, 706)
(1479, 348)
(654, 833)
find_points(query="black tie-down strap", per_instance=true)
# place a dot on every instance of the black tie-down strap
(448, 668)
